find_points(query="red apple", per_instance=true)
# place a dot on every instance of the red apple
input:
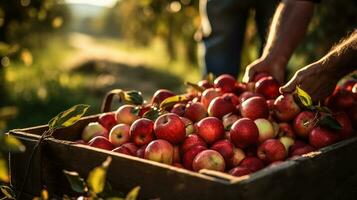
(176, 157)
(170, 127)
(195, 111)
(178, 165)
(107, 120)
(101, 142)
(160, 151)
(285, 130)
(268, 87)
(236, 159)
(179, 109)
(285, 108)
(189, 126)
(142, 131)
(141, 151)
(244, 133)
(321, 137)
(208, 159)
(266, 129)
(354, 88)
(240, 171)
(348, 85)
(247, 94)
(190, 154)
(219, 107)
(254, 108)
(210, 129)
(143, 109)
(231, 98)
(160, 95)
(208, 95)
(119, 134)
(297, 144)
(123, 150)
(259, 76)
(131, 147)
(352, 114)
(92, 130)
(80, 142)
(253, 163)
(224, 147)
(346, 127)
(304, 123)
(302, 150)
(229, 119)
(205, 84)
(126, 114)
(226, 83)
(191, 141)
(272, 150)
(287, 142)
(342, 101)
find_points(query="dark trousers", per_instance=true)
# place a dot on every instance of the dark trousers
(223, 40)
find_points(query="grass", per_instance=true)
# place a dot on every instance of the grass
(61, 76)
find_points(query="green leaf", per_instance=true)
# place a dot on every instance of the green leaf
(133, 194)
(304, 97)
(133, 97)
(7, 191)
(96, 177)
(4, 173)
(68, 117)
(195, 86)
(210, 77)
(323, 109)
(170, 101)
(329, 122)
(77, 183)
(12, 144)
(152, 114)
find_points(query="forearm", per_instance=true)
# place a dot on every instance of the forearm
(288, 27)
(341, 60)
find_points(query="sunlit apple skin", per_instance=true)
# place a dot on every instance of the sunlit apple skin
(285, 108)
(253, 163)
(142, 131)
(179, 109)
(107, 120)
(268, 87)
(236, 159)
(266, 129)
(195, 111)
(208, 159)
(208, 95)
(160, 95)
(272, 150)
(101, 142)
(254, 108)
(92, 130)
(321, 137)
(244, 132)
(160, 151)
(170, 127)
(126, 114)
(226, 83)
(240, 171)
(346, 126)
(119, 134)
(287, 142)
(191, 141)
(224, 147)
(210, 129)
(190, 154)
(303, 123)
(219, 107)
(189, 126)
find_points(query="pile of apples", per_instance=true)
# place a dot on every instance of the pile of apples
(225, 125)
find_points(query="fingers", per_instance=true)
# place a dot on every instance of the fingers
(248, 75)
(290, 86)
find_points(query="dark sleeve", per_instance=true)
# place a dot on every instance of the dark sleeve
(315, 1)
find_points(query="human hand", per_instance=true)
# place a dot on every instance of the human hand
(315, 79)
(264, 65)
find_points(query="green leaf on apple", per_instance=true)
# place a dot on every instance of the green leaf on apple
(133, 97)
(96, 177)
(7, 192)
(152, 114)
(68, 117)
(304, 97)
(133, 194)
(11, 143)
(171, 101)
(329, 122)
(195, 86)
(77, 183)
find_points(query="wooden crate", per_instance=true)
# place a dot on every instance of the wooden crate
(330, 173)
